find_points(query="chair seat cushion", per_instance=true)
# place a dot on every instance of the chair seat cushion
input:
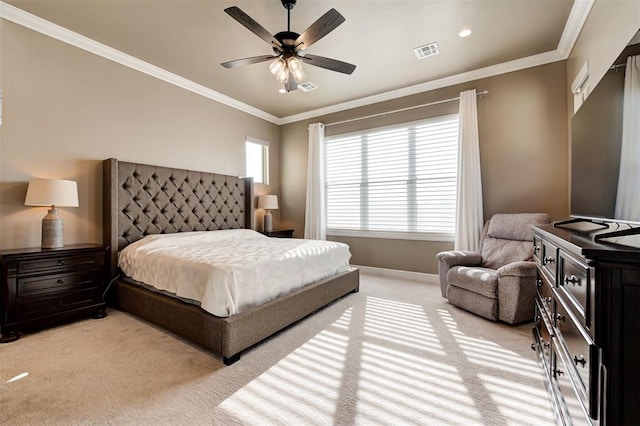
(479, 280)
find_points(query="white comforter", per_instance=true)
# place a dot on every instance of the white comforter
(229, 270)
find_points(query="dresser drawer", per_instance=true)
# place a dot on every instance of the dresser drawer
(574, 412)
(580, 356)
(43, 284)
(544, 335)
(38, 307)
(60, 262)
(537, 249)
(574, 283)
(545, 294)
(549, 260)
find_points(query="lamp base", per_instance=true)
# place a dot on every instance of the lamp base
(267, 222)
(52, 230)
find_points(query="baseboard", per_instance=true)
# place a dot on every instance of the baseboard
(397, 273)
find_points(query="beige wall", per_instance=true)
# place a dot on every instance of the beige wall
(65, 110)
(523, 153)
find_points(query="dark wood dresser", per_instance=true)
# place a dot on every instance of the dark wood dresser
(40, 287)
(587, 327)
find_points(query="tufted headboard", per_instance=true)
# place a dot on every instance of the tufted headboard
(141, 199)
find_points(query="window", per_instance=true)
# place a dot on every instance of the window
(257, 160)
(394, 182)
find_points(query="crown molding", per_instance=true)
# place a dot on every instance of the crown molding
(577, 17)
(515, 65)
(35, 23)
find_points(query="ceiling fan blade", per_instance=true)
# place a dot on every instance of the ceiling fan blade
(328, 63)
(247, 61)
(252, 25)
(323, 26)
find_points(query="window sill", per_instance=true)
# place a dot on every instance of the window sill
(390, 235)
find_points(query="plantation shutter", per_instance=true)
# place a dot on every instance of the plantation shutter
(396, 182)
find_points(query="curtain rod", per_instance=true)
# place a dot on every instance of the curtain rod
(615, 67)
(484, 92)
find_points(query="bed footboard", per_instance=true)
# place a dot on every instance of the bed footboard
(228, 337)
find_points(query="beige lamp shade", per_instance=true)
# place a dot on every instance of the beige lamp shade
(268, 202)
(52, 192)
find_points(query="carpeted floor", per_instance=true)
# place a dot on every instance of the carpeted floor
(395, 353)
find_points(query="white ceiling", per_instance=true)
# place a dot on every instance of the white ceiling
(190, 38)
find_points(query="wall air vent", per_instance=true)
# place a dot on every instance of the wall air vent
(307, 86)
(426, 50)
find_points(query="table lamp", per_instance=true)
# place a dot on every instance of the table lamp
(267, 202)
(54, 193)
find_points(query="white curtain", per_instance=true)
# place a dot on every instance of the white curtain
(628, 196)
(314, 217)
(469, 219)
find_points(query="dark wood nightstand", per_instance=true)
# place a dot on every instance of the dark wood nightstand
(40, 287)
(279, 233)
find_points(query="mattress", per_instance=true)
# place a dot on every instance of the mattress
(227, 271)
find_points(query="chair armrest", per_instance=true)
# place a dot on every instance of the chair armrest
(449, 259)
(516, 292)
(459, 258)
(517, 269)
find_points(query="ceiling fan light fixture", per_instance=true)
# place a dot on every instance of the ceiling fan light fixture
(283, 75)
(288, 47)
(295, 66)
(276, 67)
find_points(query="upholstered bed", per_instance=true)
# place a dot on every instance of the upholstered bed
(142, 200)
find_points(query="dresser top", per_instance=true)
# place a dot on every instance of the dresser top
(59, 250)
(582, 242)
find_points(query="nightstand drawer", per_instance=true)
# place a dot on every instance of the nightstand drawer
(43, 284)
(61, 302)
(60, 262)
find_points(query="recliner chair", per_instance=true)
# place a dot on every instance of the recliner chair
(498, 282)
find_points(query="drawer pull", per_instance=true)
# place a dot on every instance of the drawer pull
(60, 281)
(533, 346)
(572, 280)
(559, 317)
(549, 259)
(557, 372)
(547, 300)
(546, 344)
(580, 360)
(60, 262)
(536, 249)
(539, 283)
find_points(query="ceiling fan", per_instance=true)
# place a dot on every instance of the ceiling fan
(289, 47)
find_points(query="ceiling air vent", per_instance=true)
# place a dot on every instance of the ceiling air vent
(426, 50)
(307, 87)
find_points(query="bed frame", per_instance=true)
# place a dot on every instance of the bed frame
(143, 199)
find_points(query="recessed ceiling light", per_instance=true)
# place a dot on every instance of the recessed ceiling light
(465, 32)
